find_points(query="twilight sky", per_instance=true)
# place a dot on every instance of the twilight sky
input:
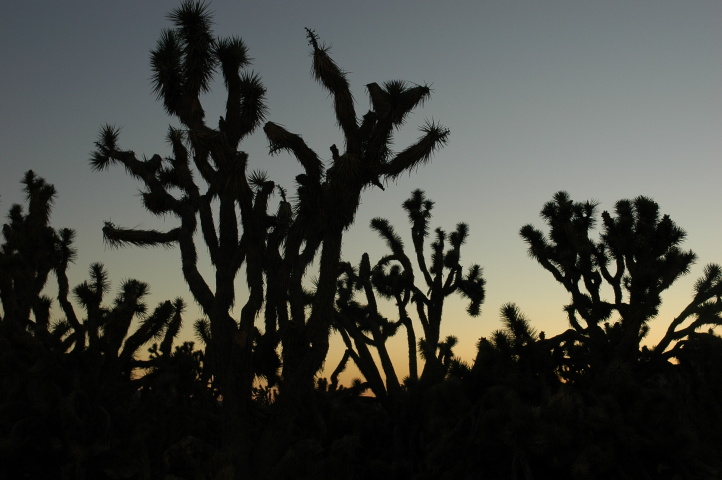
(606, 100)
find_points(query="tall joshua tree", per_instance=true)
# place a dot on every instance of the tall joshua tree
(329, 198)
(638, 257)
(184, 63)
(394, 277)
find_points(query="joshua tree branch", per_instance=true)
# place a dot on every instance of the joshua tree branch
(328, 73)
(281, 139)
(435, 137)
(117, 236)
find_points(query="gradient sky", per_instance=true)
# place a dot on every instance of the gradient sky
(606, 100)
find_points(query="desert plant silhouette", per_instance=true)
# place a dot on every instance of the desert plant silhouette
(183, 63)
(69, 383)
(393, 277)
(79, 399)
(638, 257)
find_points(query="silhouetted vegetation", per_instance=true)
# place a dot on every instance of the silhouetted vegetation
(95, 388)
(77, 399)
(231, 209)
(393, 278)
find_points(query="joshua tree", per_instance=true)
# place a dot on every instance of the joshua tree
(328, 200)
(393, 277)
(106, 330)
(184, 63)
(638, 257)
(30, 251)
(65, 373)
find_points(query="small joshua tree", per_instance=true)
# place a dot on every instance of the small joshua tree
(31, 250)
(394, 277)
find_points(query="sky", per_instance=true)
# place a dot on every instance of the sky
(606, 100)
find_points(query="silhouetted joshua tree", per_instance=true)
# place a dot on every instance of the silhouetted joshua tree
(110, 343)
(638, 257)
(184, 63)
(328, 200)
(65, 379)
(30, 251)
(393, 277)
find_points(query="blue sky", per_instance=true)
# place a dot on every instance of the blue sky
(607, 100)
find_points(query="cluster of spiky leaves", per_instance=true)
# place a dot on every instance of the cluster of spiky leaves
(368, 158)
